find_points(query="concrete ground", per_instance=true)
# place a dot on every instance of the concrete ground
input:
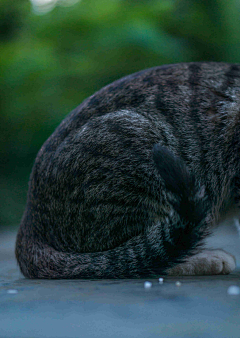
(199, 307)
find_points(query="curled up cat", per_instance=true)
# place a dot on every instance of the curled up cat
(133, 180)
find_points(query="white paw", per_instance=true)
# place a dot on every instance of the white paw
(207, 262)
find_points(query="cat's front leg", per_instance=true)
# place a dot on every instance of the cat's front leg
(207, 262)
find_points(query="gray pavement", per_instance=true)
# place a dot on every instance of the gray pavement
(199, 307)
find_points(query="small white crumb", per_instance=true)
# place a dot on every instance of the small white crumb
(147, 285)
(233, 290)
(12, 291)
(178, 283)
(160, 280)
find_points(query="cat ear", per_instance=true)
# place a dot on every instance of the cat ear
(173, 171)
(192, 202)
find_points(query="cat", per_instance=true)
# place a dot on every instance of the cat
(133, 180)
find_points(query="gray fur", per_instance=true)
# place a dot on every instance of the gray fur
(131, 181)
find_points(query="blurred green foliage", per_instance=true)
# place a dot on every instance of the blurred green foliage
(49, 63)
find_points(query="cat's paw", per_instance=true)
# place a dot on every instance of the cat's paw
(207, 262)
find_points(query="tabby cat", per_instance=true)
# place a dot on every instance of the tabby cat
(133, 180)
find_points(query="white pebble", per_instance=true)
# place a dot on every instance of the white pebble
(233, 290)
(160, 280)
(12, 291)
(178, 283)
(147, 285)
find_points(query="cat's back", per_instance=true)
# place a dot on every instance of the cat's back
(162, 88)
(169, 91)
(180, 101)
(186, 104)
(159, 89)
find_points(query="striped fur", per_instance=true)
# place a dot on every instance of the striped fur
(132, 180)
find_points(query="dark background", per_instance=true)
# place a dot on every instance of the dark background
(53, 57)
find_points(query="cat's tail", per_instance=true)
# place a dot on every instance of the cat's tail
(161, 246)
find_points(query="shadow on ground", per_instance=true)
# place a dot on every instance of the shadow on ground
(199, 307)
